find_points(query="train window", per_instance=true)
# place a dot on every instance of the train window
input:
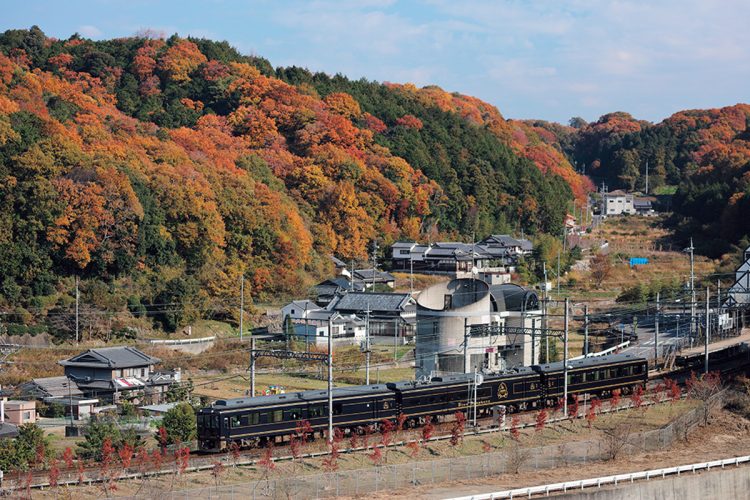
(277, 415)
(293, 414)
(215, 422)
(338, 408)
(318, 411)
(244, 420)
(234, 422)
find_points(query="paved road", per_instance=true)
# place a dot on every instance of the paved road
(673, 334)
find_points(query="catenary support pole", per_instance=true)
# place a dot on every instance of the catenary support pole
(693, 303)
(367, 345)
(252, 366)
(330, 381)
(586, 330)
(565, 361)
(656, 331)
(77, 300)
(544, 314)
(242, 306)
(466, 346)
(708, 333)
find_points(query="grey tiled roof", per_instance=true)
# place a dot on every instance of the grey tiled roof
(337, 262)
(403, 244)
(51, 386)
(366, 274)
(111, 357)
(377, 302)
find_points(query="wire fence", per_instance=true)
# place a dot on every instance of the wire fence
(512, 459)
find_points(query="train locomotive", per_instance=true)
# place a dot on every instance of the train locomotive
(252, 421)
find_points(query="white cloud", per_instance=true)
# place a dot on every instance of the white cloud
(89, 31)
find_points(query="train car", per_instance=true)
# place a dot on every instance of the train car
(518, 390)
(717, 357)
(598, 375)
(250, 421)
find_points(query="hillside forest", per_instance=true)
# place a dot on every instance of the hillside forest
(160, 171)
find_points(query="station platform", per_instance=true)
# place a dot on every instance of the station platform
(744, 336)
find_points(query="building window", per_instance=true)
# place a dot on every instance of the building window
(26, 416)
(292, 311)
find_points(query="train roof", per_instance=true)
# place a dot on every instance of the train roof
(457, 378)
(588, 362)
(304, 396)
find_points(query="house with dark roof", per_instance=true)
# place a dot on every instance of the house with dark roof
(390, 314)
(109, 372)
(325, 291)
(50, 387)
(506, 246)
(459, 259)
(369, 277)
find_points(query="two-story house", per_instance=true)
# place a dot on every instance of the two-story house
(108, 372)
(617, 203)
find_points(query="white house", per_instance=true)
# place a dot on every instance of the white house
(310, 322)
(617, 203)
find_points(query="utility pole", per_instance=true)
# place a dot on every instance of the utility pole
(565, 362)
(411, 274)
(242, 305)
(252, 366)
(374, 262)
(708, 332)
(533, 341)
(656, 329)
(476, 383)
(646, 176)
(367, 345)
(586, 330)
(558, 273)
(467, 336)
(691, 249)
(78, 295)
(544, 313)
(330, 380)
(719, 332)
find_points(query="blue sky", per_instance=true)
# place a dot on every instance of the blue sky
(532, 59)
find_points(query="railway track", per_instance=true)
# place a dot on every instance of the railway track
(250, 458)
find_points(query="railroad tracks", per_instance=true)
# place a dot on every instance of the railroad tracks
(249, 458)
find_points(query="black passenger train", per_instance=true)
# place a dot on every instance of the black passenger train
(248, 421)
